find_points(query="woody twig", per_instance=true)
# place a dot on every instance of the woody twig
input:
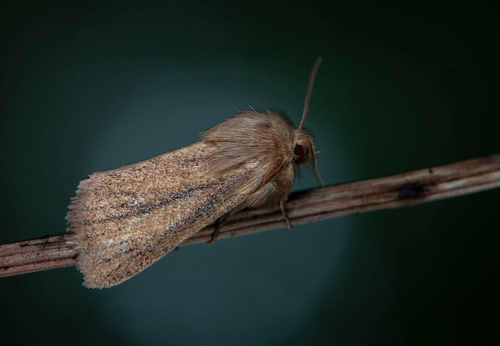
(305, 206)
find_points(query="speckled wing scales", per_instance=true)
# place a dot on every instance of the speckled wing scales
(122, 221)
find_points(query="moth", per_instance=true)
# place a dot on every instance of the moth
(123, 220)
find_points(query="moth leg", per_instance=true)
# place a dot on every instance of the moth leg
(218, 224)
(285, 215)
(315, 168)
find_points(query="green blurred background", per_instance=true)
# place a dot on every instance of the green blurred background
(89, 86)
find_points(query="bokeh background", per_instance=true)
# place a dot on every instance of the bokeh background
(89, 86)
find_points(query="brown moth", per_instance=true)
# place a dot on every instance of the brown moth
(123, 220)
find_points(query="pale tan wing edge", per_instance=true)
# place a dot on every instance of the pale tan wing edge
(124, 220)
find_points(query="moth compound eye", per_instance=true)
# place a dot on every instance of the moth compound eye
(300, 154)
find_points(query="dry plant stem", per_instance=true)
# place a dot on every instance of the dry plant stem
(306, 206)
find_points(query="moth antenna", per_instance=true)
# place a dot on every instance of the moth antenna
(313, 163)
(312, 77)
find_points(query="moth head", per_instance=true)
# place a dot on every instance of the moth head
(303, 152)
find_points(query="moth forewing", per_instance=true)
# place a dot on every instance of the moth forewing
(125, 219)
